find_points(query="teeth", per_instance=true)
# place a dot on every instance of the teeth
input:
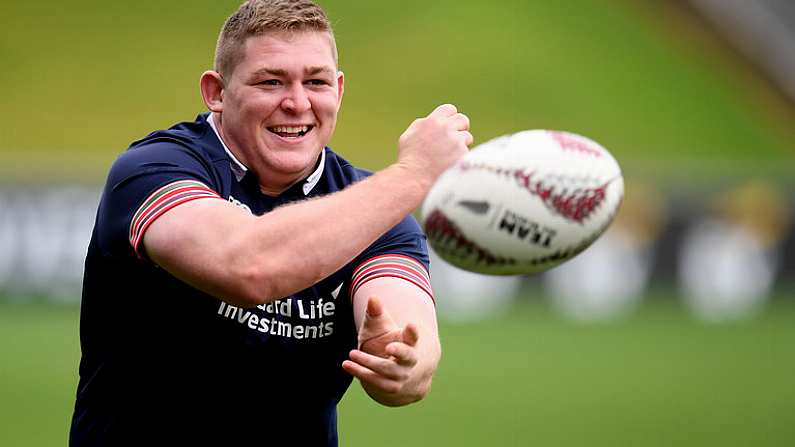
(290, 129)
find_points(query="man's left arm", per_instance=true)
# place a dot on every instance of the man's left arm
(399, 347)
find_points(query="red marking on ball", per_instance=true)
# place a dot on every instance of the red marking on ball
(573, 143)
(450, 239)
(576, 204)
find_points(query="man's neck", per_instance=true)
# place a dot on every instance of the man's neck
(275, 186)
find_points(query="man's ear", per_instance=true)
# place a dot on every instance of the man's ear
(212, 88)
(340, 88)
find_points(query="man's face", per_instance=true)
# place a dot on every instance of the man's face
(280, 105)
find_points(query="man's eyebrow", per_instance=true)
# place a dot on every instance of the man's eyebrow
(270, 72)
(309, 71)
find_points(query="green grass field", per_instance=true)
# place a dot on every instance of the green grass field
(656, 378)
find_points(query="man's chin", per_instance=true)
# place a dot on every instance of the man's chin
(295, 166)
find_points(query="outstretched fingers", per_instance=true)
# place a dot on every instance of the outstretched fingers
(389, 367)
(403, 354)
(391, 374)
(403, 351)
(366, 375)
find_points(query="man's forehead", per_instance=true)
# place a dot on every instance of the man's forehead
(298, 53)
(309, 43)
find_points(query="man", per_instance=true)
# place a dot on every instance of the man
(240, 272)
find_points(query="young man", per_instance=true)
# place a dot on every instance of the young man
(240, 272)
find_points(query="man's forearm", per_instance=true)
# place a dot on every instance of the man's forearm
(300, 244)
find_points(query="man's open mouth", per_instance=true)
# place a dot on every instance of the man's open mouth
(290, 131)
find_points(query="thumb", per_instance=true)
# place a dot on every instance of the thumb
(376, 321)
(374, 307)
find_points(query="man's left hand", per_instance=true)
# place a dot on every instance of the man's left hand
(386, 359)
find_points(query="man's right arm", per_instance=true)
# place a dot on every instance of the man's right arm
(247, 260)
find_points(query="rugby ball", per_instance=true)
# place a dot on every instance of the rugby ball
(523, 203)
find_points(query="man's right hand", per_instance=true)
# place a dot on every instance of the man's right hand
(432, 144)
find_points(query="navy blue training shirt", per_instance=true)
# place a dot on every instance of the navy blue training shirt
(163, 362)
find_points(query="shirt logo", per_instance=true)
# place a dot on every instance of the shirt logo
(236, 202)
(336, 291)
(301, 319)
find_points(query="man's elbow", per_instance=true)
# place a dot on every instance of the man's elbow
(255, 280)
(252, 286)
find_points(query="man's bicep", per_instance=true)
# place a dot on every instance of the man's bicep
(192, 241)
(160, 202)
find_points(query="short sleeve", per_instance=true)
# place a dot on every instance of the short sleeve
(143, 184)
(401, 253)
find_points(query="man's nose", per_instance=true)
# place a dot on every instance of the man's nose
(296, 100)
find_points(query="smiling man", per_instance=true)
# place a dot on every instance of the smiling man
(241, 273)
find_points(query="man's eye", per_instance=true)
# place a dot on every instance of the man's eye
(269, 82)
(317, 82)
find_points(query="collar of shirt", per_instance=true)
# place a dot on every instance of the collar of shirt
(239, 169)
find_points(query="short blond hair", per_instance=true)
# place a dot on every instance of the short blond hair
(258, 17)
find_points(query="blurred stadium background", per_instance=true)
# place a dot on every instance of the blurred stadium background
(676, 328)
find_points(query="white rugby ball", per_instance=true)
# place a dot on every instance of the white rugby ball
(523, 203)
